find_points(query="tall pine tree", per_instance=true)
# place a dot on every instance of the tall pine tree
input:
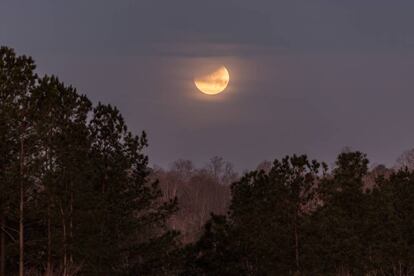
(17, 80)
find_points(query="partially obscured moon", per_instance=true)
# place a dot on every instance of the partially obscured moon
(213, 83)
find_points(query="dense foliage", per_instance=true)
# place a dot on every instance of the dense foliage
(77, 198)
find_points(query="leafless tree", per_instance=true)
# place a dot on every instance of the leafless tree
(406, 160)
(200, 192)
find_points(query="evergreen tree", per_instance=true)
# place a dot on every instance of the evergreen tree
(341, 223)
(17, 80)
(278, 201)
(131, 215)
(64, 171)
(217, 252)
(391, 242)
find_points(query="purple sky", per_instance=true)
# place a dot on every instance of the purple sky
(306, 76)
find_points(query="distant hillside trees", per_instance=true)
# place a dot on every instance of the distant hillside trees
(199, 192)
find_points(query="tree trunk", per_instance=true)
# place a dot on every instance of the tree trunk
(296, 243)
(49, 269)
(64, 240)
(49, 242)
(21, 214)
(2, 245)
(71, 227)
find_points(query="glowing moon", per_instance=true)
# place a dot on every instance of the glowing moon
(213, 83)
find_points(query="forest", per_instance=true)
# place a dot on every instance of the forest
(78, 197)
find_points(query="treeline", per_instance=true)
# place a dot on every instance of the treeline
(298, 218)
(77, 198)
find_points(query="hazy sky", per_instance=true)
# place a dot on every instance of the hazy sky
(307, 76)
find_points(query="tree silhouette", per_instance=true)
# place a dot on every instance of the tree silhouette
(75, 189)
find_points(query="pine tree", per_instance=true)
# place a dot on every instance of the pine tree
(64, 145)
(278, 201)
(391, 242)
(16, 83)
(342, 220)
(131, 217)
(217, 252)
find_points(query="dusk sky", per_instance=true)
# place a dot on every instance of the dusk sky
(306, 76)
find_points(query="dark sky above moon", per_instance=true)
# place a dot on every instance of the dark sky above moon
(306, 76)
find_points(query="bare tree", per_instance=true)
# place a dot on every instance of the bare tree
(265, 166)
(406, 160)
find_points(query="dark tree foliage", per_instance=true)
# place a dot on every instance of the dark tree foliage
(340, 226)
(17, 80)
(217, 252)
(64, 171)
(391, 241)
(129, 206)
(276, 200)
(266, 220)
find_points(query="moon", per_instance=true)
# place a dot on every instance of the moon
(213, 83)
